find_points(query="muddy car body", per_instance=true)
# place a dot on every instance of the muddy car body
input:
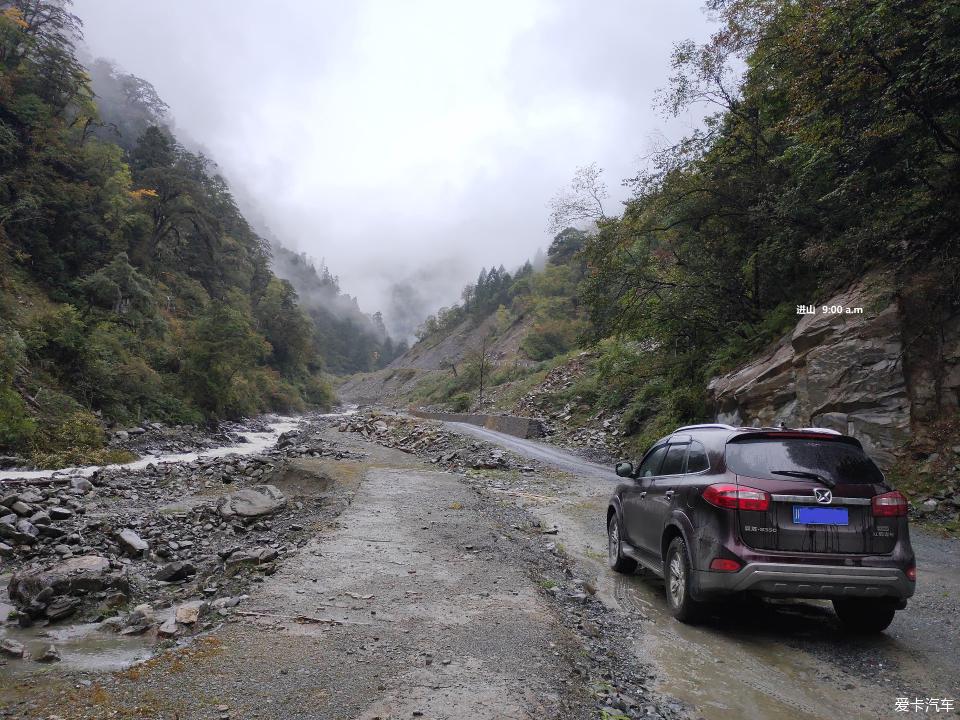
(718, 510)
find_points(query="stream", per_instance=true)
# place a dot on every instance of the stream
(85, 646)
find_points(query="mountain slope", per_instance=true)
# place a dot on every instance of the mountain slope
(131, 286)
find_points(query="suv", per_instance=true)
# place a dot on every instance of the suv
(717, 510)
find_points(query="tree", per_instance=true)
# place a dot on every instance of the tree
(222, 343)
(581, 202)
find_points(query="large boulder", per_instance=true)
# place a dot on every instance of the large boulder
(252, 502)
(74, 577)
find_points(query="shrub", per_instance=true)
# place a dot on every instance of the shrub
(17, 428)
(460, 403)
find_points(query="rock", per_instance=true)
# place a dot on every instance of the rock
(168, 628)
(132, 544)
(5, 550)
(51, 531)
(142, 612)
(12, 648)
(252, 502)
(27, 528)
(83, 574)
(62, 607)
(929, 506)
(190, 612)
(121, 435)
(60, 513)
(10, 531)
(175, 571)
(40, 518)
(21, 508)
(50, 654)
(81, 484)
(225, 602)
(136, 431)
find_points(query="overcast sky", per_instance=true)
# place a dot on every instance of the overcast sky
(403, 140)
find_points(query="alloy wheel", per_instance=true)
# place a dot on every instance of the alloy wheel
(677, 580)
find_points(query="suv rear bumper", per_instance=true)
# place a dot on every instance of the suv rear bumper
(808, 581)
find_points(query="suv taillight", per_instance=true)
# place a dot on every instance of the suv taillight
(736, 497)
(891, 504)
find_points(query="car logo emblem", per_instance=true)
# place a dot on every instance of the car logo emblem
(824, 497)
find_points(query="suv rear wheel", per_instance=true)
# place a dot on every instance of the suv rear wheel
(615, 555)
(677, 578)
(864, 615)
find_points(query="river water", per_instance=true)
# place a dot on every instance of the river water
(256, 442)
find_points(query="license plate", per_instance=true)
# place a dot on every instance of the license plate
(812, 515)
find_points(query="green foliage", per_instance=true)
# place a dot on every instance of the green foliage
(221, 343)
(460, 403)
(156, 298)
(552, 337)
(836, 152)
(17, 428)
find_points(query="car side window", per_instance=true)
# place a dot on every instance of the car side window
(651, 463)
(673, 463)
(697, 458)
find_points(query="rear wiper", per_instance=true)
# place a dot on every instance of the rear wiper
(805, 475)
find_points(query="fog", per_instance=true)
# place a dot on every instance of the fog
(406, 144)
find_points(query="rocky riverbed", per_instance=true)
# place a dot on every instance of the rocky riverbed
(162, 550)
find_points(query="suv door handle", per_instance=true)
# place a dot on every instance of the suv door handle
(643, 494)
(669, 494)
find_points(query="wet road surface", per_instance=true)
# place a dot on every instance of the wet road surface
(757, 659)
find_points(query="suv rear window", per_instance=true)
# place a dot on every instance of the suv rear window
(836, 461)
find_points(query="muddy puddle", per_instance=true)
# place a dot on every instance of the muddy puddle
(83, 647)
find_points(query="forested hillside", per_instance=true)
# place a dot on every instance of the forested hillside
(131, 286)
(349, 340)
(832, 151)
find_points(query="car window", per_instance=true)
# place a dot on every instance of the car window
(837, 461)
(651, 463)
(673, 463)
(697, 458)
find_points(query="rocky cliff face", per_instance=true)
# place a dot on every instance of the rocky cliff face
(856, 373)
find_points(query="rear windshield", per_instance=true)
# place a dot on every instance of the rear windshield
(842, 463)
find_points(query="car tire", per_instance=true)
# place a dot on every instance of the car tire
(677, 580)
(864, 615)
(615, 556)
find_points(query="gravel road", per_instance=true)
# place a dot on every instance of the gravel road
(765, 660)
(418, 600)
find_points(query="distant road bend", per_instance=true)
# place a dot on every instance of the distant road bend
(561, 459)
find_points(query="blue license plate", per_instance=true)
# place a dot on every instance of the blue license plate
(808, 515)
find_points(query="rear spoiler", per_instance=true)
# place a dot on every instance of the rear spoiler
(798, 434)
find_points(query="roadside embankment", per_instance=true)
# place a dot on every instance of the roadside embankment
(522, 427)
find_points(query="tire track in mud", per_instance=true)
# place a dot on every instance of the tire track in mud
(627, 594)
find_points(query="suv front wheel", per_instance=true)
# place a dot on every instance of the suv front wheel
(615, 556)
(864, 615)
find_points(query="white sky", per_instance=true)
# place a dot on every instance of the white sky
(399, 139)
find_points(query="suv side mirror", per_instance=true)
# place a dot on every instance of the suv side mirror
(625, 469)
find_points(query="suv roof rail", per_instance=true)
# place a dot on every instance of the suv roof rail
(706, 426)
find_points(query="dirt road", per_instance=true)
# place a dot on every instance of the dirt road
(765, 660)
(419, 600)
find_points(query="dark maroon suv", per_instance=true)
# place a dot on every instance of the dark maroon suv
(717, 510)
